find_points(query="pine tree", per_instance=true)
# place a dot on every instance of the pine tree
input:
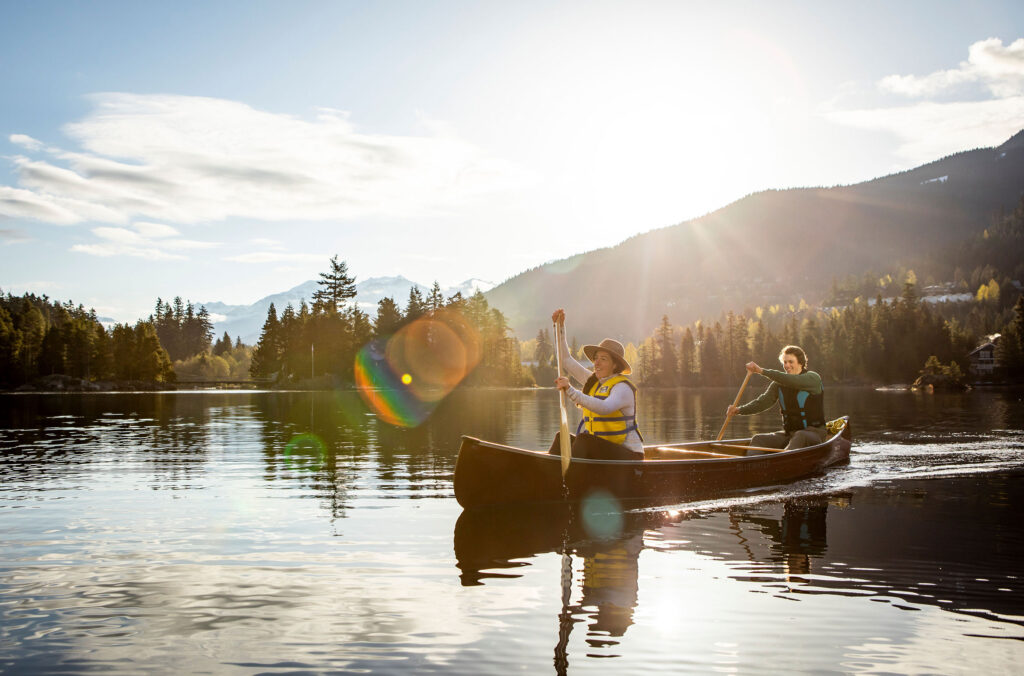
(389, 317)
(223, 345)
(435, 299)
(666, 363)
(10, 344)
(1010, 348)
(336, 287)
(544, 351)
(205, 330)
(152, 362)
(266, 357)
(415, 308)
(687, 358)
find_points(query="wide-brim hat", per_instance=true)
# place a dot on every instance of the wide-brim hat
(612, 347)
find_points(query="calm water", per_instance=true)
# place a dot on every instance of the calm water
(241, 532)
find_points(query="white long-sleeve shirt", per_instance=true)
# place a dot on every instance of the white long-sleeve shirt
(620, 398)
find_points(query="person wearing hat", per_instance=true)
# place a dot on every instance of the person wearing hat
(608, 430)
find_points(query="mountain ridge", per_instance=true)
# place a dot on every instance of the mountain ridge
(773, 246)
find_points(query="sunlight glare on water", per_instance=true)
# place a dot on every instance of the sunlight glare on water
(296, 532)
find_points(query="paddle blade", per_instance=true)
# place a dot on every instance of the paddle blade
(566, 443)
(563, 436)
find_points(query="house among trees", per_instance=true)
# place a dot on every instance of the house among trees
(983, 359)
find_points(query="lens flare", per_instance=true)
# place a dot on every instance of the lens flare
(602, 515)
(305, 451)
(403, 378)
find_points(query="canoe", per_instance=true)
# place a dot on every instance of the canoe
(487, 473)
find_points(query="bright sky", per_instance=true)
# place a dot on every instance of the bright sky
(224, 151)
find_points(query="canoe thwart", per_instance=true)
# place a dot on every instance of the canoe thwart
(749, 448)
(689, 454)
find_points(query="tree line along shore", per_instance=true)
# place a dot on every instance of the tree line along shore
(50, 345)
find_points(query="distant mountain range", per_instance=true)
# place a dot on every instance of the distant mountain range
(246, 321)
(776, 246)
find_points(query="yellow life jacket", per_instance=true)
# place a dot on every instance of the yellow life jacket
(614, 426)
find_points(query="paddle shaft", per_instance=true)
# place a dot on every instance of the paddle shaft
(739, 395)
(563, 430)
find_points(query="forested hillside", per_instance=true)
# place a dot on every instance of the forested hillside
(781, 247)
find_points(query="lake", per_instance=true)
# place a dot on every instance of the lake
(290, 532)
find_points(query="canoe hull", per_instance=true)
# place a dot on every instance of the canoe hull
(487, 473)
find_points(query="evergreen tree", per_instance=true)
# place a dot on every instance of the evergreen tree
(51, 354)
(223, 345)
(32, 326)
(389, 317)
(415, 308)
(336, 287)
(151, 360)
(810, 340)
(456, 303)
(10, 345)
(711, 363)
(476, 309)
(1010, 348)
(666, 362)
(544, 352)
(205, 330)
(687, 359)
(266, 357)
(435, 299)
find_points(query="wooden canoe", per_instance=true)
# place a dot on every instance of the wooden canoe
(488, 473)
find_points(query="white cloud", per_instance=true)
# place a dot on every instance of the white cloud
(154, 230)
(25, 204)
(275, 257)
(181, 159)
(25, 141)
(266, 242)
(1000, 69)
(930, 129)
(145, 242)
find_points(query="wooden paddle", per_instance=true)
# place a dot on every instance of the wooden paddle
(735, 403)
(563, 430)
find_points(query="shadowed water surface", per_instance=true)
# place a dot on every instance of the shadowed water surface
(248, 532)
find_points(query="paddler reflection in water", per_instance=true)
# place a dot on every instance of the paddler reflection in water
(611, 572)
(608, 430)
(799, 393)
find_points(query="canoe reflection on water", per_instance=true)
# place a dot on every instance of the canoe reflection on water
(489, 543)
(605, 546)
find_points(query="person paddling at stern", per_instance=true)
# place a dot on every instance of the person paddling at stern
(800, 396)
(608, 400)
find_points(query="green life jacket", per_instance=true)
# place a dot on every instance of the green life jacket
(801, 409)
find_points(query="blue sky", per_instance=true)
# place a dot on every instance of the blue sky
(224, 151)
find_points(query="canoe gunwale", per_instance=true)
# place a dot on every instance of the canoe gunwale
(489, 473)
(688, 445)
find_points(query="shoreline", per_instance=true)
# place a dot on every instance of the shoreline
(143, 387)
